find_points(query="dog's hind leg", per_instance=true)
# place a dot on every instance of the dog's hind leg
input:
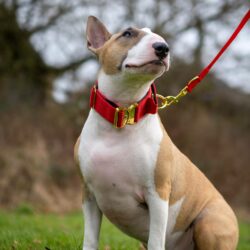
(216, 228)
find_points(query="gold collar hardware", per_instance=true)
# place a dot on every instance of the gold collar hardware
(168, 100)
(128, 117)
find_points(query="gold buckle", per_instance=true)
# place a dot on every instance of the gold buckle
(129, 115)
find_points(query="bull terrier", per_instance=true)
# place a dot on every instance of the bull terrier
(131, 170)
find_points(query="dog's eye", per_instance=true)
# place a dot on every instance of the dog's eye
(127, 33)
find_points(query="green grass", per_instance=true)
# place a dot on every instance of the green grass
(24, 230)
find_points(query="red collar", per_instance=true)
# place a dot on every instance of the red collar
(120, 116)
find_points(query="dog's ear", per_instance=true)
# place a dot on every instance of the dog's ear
(97, 34)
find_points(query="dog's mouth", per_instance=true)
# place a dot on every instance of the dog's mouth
(153, 62)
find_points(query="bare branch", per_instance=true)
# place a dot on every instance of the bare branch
(52, 20)
(71, 66)
(226, 8)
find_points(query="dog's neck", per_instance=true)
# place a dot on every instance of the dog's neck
(123, 90)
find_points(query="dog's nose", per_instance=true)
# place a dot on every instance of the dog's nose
(161, 49)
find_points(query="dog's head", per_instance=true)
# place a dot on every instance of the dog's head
(130, 53)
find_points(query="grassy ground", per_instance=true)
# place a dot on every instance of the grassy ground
(27, 231)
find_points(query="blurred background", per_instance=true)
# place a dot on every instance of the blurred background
(46, 73)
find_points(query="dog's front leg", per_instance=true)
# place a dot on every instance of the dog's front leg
(158, 213)
(92, 224)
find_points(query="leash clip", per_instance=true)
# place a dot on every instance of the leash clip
(168, 100)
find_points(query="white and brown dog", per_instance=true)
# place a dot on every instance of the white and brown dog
(135, 175)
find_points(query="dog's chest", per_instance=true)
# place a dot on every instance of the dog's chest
(118, 163)
(116, 157)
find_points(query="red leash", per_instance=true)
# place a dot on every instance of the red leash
(167, 101)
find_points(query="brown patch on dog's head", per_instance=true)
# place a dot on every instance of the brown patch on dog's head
(115, 50)
(111, 49)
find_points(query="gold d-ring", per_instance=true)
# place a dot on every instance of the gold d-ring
(164, 102)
